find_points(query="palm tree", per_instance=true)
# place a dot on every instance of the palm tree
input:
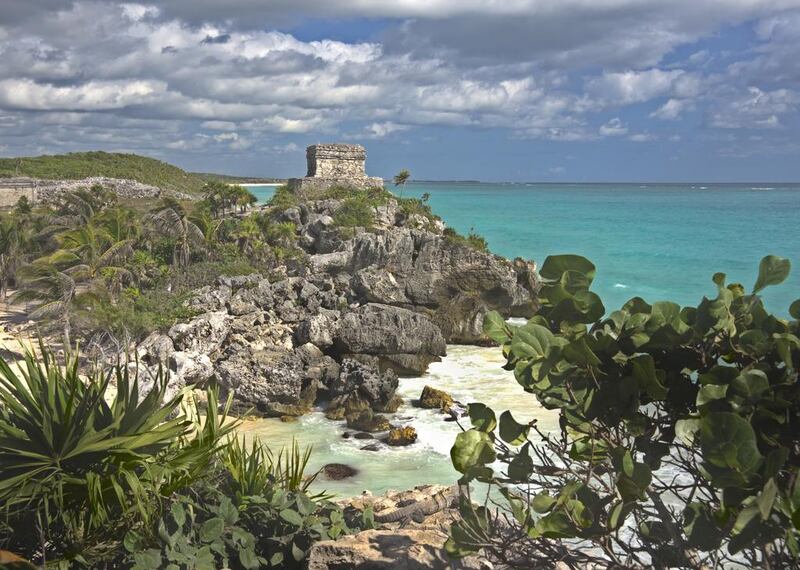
(244, 198)
(400, 179)
(14, 235)
(247, 235)
(54, 292)
(209, 226)
(93, 250)
(172, 221)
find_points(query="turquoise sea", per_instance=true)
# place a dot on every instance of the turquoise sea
(655, 241)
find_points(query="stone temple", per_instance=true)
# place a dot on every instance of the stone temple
(335, 165)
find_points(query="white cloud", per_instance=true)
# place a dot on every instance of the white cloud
(671, 110)
(622, 88)
(381, 130)
(613, 128)
(757, 109)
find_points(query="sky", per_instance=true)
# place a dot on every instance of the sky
(495, 90)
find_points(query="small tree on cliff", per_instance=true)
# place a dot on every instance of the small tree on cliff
(679, 440)
(401, 178)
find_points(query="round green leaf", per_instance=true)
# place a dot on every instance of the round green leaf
(472, 447)
(728, 441)
(482, 417)
(555, 266)
(494, 326)
(771, 271)
(794, 309)
(212, 529)
(292, 517)
(512, 432)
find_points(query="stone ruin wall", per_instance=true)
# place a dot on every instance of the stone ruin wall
(46, 191)
(336, 161)
(335, 165)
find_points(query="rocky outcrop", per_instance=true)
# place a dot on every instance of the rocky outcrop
(453, 284)
(406, 544)
(49, 191)
(434, 399)
(363, 308)
(401, 436)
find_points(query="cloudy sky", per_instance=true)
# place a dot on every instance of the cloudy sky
(521, 90)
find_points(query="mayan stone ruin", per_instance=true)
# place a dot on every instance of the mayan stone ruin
(335, 165)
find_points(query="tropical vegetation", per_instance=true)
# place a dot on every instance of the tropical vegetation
(104, 470)
(123, 269)
(679, 439)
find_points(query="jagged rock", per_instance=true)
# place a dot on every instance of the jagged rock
(203, 334)
(338, 471)
(391, 406)
(434, 399)
(403, 545)
(191, 367)
(368, 383)
(402, 436)
(271, 381)
(383, 330)
(155, 349)
(208, 298)
(318, 329)
(368, 422)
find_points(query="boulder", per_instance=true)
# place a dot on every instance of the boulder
(191, 367)
(402, 436)
(319, 330)
(434, 399)
(375, 387)
(203, 334)
(338, 471)
(383, 330)
(155, 349)
(208, 298)
(368, 422)
(270, 381)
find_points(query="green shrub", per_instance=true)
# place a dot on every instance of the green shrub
(472, 239)
(283, 198)
(79, 462)
(355, 212)
(679, 441)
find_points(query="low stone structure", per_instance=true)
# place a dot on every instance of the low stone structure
(332, 165)
(43, 191)
(12, 189)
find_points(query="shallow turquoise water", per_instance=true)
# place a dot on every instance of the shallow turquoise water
(657, 242)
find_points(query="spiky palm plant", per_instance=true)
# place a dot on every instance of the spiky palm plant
(78, 460)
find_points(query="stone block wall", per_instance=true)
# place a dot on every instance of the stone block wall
(334, 165)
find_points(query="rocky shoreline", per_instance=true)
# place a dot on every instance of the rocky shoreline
(337, 329)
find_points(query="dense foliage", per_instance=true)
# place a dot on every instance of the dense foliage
(116, 270)
(679, 441)
(101, 471)
(77, 165)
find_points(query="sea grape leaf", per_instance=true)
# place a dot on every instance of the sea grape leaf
(531, 341)
(555, 266)
(482, 417)
(728, 441)
(772, 270)
(472, 447)
(512, 432)
(494, 326)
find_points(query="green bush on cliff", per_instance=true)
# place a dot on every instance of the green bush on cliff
(471, 240)
(679, 442)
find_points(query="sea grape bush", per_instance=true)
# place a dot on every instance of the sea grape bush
(679, 440)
